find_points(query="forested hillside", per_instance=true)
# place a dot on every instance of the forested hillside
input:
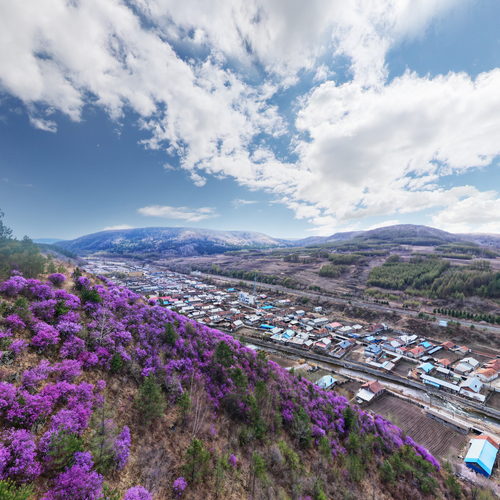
(21, 255)
(436, 278)
(106, 397)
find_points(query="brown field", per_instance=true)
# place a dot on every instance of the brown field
(440, 439)
(494, 400)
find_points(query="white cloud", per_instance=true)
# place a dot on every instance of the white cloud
(381, 151)
(118, 226)
(373, 148)
(474, 214)
(43, 124)
(238, 202)
(182, 213)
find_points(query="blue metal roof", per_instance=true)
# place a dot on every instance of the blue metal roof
(266, 327)
(481, 454)
(427, 367)
(326, 381)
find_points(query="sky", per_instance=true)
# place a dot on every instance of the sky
(286, 117)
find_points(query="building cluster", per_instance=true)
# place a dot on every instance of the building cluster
(444, 366)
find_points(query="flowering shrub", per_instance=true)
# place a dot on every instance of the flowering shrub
(45, 335)
(57, 279)
(233, 461)
(18, 456)
(79, 482)
(180, 484)
(122, 448)
(138, 493)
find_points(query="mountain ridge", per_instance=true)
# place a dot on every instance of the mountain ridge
(188, 241)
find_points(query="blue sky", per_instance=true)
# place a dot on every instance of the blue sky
(279, 117)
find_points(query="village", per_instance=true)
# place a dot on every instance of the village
(445, 395)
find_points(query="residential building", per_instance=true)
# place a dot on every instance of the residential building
(369, 391)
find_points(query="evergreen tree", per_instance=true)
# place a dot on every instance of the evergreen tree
(150, 400)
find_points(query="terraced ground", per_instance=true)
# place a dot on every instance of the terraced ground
(441, 440)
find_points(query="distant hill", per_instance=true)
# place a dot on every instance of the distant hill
(183, 241)
(405, 234)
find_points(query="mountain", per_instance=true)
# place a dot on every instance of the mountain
(400, 233)
(185, 241)
(104, 395)
(169, 241)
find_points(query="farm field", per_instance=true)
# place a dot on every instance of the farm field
(440, 439)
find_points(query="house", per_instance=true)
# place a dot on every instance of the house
(466, 366)
(448, 345)
(494, 363)
(471, 385)
(426, 345)
(334, 325)
(444, 362)
(482, 455)
(326, 382)
(416, 352)
(369, 391)
(486, 374)
(373, 351)
(426, 367)
(471, 361)
(345, 344)
(246, 299)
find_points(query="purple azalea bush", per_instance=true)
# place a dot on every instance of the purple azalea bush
(179, 485)
(57, 279)
(138, 493)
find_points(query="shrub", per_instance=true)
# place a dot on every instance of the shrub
(197, 458)
(138, 493)
(179, 486)
(10, 491)
(62, 448)
(170, 335)
(57, 279)
(150, 400)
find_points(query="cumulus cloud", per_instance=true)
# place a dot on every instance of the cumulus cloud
(377, 151)
(181, 213)
(474, 214)
(367, 147)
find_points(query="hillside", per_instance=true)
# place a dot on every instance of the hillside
(105, 397)
(169, 241)
(399, 234)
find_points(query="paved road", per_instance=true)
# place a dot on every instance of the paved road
(353, 302)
